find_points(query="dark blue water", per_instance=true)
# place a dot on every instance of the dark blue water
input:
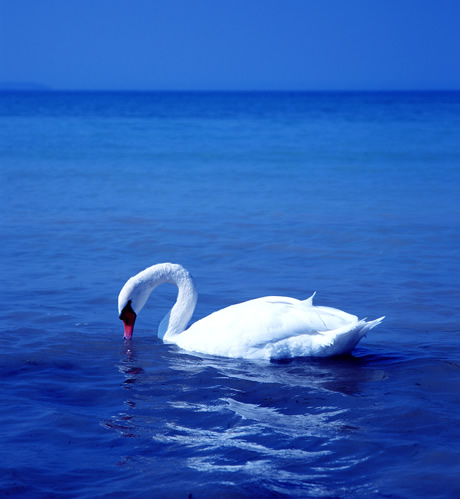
(354, 196)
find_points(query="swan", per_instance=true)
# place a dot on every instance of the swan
(272, 327)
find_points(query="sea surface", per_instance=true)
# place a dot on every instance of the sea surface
(352, 195)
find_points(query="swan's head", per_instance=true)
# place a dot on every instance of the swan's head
(128, 316)
(136, 291)
(131, 301)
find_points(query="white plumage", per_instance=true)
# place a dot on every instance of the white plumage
(272, 327)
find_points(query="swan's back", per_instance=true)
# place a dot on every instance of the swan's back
(272, 327)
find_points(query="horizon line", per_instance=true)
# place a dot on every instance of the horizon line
(45, 89)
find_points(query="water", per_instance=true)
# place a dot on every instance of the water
(352, 195)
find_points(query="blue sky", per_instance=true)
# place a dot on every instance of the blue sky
(231, 44)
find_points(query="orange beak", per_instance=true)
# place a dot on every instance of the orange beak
(129, 329)
(128, 316)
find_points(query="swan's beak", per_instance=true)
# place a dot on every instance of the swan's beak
(129, 329)
(128, 316)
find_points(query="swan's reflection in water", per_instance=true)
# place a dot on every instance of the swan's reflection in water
(122, 422)
(128, 366)
(218, 415)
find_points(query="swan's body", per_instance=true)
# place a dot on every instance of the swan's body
(273, 327)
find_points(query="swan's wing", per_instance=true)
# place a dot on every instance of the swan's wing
(237, 330)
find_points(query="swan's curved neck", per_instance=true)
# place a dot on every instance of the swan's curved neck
(177, 319)
(139, 288)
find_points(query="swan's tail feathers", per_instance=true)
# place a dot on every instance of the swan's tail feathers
(335, 342)
(371, 324)
(364, 326)
(344, 339)
(309, 301)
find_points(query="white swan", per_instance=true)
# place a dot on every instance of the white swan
(273, 327)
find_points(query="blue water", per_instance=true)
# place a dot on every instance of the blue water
(354, 196)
